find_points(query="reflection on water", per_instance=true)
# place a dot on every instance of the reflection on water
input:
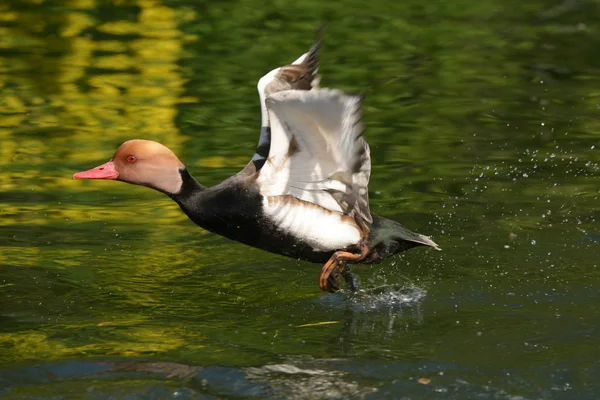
(296, 378)
(484, 135)
(377, 314)
(74, 86)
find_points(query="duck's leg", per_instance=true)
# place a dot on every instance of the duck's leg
(349, 278)
(341, 271)
(334, 283)
(329, 280)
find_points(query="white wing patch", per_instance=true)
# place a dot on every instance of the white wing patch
(317, 151)
(321, 229)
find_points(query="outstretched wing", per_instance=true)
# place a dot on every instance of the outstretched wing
(299, 75)
(317, 151)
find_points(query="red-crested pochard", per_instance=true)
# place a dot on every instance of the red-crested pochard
(303, 195)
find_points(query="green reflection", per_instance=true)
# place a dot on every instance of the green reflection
(483, 127)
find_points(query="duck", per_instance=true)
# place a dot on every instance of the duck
(303, 194)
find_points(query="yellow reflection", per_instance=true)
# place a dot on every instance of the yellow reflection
(220, 162)
(100, 90)
(78, 22)
(75, 86)
(37, 345)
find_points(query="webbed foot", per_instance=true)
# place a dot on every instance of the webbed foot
(329, 280)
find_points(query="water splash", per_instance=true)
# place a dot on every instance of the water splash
(388, 296)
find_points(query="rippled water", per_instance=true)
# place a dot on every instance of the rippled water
(483, 124)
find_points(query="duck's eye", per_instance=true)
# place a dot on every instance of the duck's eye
(131, 158)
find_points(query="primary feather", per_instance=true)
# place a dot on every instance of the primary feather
(317, 151)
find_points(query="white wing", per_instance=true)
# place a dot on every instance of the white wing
(301, 74)
(317, 151)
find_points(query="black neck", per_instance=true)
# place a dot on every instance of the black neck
(190, 188)
(262, 151)
(230, 209)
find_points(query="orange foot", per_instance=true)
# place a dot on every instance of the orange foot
(336, 267)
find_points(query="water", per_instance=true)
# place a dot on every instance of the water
(484, 132)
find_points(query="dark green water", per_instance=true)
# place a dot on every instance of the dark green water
(485, 135)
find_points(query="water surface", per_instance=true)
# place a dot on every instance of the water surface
(483, 124)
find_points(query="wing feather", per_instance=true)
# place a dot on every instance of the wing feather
(318, 153)
(299, 75)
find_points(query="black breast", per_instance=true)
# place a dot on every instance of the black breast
(233, 209)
